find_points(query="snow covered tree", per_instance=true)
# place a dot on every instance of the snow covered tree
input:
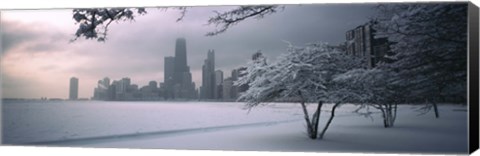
(94, 22)
(304, 75)
(373, 88)
(430, 49)
(255, 69)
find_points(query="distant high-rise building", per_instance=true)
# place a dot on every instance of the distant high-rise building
(169, 69)
(361, 42)
(101, 91)
(218, 84)
(112, 90)
(73, 88)
(124, 84)
(234, 89)
(208, 76)
(152, 84)
(227, 89)
(126, 81)
(211, 58)
(180, 60)
(177, 76)
(105, 83)
(133, 88)
(218, 77)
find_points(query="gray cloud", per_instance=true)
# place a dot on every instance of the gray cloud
(12, 35)
(35, 37)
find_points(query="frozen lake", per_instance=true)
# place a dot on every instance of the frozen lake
(226, 126)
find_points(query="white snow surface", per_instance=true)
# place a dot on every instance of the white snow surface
(226, 126)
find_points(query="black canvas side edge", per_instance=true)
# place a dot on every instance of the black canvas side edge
(473, 77)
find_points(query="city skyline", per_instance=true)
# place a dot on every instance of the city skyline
(177, 84)
(40, 46)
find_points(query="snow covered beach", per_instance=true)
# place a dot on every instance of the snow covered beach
(225, 126)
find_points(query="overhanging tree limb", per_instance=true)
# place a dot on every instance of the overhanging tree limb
(92, 20)
(227, 19)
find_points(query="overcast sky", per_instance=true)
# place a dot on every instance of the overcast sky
(37, 59)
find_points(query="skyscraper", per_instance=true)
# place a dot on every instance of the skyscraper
(177, 76)
(73, 95)
(101, 91)
(180, 59)
(106, 82)
(227, 89)
(218, 84)
(124, 84)
(208, 76)
(234, 89)
(169, 69)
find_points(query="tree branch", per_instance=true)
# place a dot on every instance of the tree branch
(227, 19)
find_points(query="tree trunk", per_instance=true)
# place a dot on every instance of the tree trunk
(329, 120)
(390, 114)
(310, 131)
(435, 109)
(384, 115)
(394, 116)
(387, 114)
(316, 117)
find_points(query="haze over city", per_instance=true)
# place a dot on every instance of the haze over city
(38, 59)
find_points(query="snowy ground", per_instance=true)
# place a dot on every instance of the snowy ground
(225, 126)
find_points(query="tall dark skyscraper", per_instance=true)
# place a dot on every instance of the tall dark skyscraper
(208, 76)
(180, 59)
(177, 76)
(73, 95)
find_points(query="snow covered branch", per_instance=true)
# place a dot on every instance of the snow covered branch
(93, 23)
(227, 19)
